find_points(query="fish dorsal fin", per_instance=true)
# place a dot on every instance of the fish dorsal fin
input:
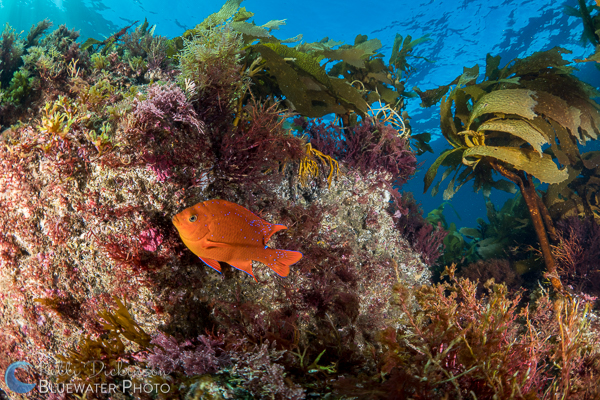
(215, 206)
(221, 213)
(272, 230)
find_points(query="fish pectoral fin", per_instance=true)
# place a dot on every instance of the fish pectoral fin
(214, 264)
(209, 244)
(245, 266)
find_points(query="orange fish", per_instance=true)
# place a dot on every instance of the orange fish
(219, 230)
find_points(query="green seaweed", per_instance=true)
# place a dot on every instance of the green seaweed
(11, 49)
(579, 195)
(301, 74)
(507, 227)
(590, 24)
(100, 61)
(358, 78)
(402, 49)
(106, 44)
(20, 87)
(36, 32)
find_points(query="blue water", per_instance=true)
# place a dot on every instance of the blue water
(462, 33)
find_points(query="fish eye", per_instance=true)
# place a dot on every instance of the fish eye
(193, 218)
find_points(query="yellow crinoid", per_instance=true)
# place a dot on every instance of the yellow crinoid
(388, 114)
(309, 167)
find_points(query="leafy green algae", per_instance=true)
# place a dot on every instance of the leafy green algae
(525, 160)
(510, 101)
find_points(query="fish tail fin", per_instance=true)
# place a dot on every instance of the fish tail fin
(280, 260)
(272, 230)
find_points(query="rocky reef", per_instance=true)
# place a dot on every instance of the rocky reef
(108, 145)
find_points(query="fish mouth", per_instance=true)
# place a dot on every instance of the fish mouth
(175, 220)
